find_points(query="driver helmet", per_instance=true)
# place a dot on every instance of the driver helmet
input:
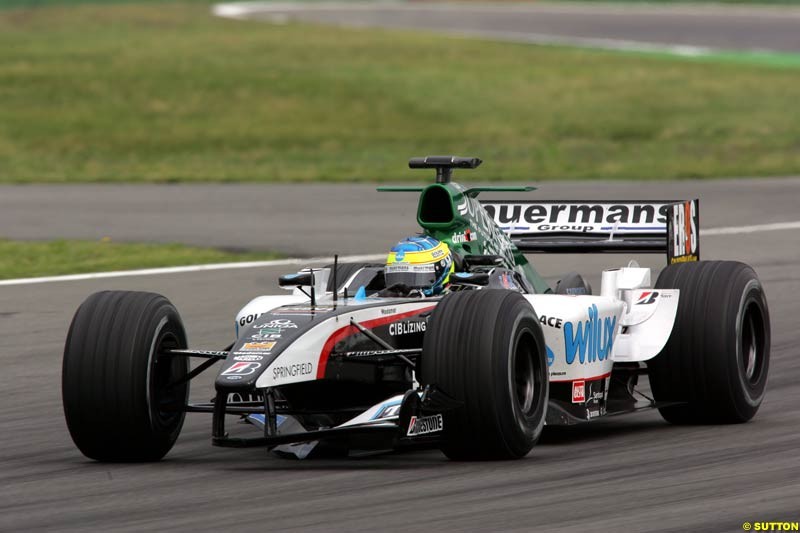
(421, 262)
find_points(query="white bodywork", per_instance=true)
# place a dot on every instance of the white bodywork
(585, 335)
(263, 304)
(305, 358)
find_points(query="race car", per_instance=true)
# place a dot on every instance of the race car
(340, 366)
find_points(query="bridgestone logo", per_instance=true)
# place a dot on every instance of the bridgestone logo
(427, 424)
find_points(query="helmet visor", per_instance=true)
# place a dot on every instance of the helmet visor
(416, 276)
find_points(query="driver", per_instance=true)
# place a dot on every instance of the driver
(418, 265)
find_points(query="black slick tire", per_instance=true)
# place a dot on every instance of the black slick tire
(716, 360)
(114, 385)
(485, 349)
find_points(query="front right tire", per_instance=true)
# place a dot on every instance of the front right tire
(120, 398)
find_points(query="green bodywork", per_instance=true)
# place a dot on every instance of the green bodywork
(467, 216)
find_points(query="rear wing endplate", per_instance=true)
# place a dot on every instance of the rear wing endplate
(670, 226)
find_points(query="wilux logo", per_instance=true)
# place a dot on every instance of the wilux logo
(591, 340)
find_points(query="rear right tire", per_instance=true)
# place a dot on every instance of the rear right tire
(716, 360)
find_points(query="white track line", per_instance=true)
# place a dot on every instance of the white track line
(243, 10)
(736, 230)
(281, 10)
(192, 268)
(246, 10)
(733, 230)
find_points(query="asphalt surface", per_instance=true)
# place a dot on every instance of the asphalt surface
(315, 220)
(604, 25)
(632, 473)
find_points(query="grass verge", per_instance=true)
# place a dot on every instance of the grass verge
(30, 259)
(132, 92)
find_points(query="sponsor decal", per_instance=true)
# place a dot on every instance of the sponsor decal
(578, 391)
(425, 424)
(582, 217)
(405, 328)
(257, 346)
(577, 229)
(277, 323)
(589, 340)
(388, 411)
(507, 281)
(233, 378)
(248, 319)
(437, 254)
(484, 230)
(248, 357)
(647, 298)
(241, 369)
(596, 396)
(259, 337)
(576, 291)
(464, 236)
(389, 311)
(303, 310)
(683, 244)
(269, 331)
(297, 369)
(406, 267)
(551, 357)
(551, 321)
(365, 353)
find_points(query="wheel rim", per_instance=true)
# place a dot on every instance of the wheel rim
(752, 343)
(168, 401)
(524, 381)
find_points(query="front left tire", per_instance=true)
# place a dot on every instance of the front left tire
(485, 349)
(119, 397)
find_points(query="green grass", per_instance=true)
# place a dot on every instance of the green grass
(34, 259)
(132, 93)
(32, 4)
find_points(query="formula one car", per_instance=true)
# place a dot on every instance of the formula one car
(338, 367)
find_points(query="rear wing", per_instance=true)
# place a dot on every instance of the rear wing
(669, 226)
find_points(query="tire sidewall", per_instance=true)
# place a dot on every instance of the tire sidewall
(750, 395)
(527, 428)
(165, 325)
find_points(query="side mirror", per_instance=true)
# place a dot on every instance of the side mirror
(301, 279)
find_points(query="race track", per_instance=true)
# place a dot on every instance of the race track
(630, 473)
(682, 29)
